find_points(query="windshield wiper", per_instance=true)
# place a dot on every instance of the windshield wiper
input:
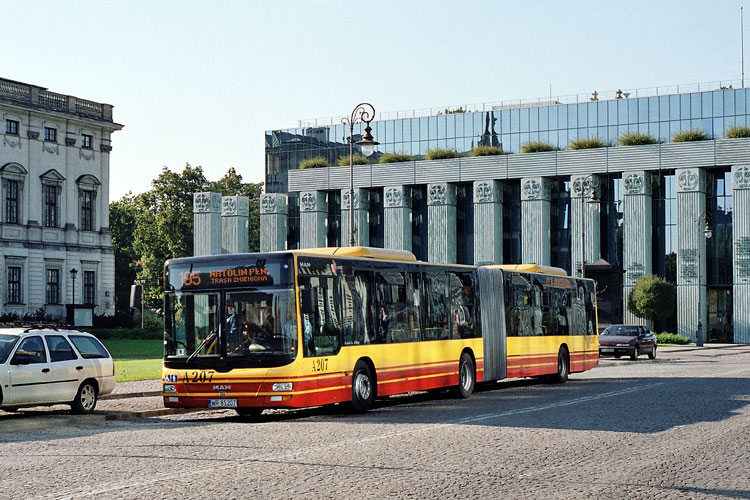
(210, 337)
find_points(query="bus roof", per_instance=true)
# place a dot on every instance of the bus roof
(531, 268)
(367, 252)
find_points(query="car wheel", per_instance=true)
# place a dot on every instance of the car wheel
(634, 354)
(363, 388)
(652, 354)
(249, 412)
(466, 376)
(85, 400)
(563, 367)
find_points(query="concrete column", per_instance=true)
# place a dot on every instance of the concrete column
(206, 223)
(397, 217)
(488, 223)
(234, 213)
(637, 228)
(313, 218)
(741, 253)
(536, 238)
(581, 188)
(361, 221)
(441, 223)
(692, 304)
(274, 210)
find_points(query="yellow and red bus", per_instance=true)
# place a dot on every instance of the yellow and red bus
(312, 327)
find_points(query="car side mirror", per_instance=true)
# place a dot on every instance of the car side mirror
(20, 359)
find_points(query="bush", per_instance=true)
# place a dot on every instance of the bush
(671, 338)
(588, 143)
(737, 132)
(694, 134)
(394, 158)
(487, 151)
(126, 333)
(357, 159)
(636, 139)
(38, 316)
(652, 297)
(120, 319)
(537, 147)
(317, 162)
(441, 154)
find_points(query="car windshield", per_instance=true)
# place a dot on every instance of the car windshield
(631, 331)
(6, 345)
(253, 327)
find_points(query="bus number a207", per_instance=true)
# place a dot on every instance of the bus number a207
(196, 376)
(320, 365)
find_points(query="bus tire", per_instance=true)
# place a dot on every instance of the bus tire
(563, 366)
(249, 411)
(363, 387)
(466, 376)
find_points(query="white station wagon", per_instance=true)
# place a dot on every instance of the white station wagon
(46, 366)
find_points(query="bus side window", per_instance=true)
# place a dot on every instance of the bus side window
(392, 308)
(462, 305)
(436, 320)
(326, 320)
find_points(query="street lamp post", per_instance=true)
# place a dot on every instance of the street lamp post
(589, 182)
(707, 232)
(362, 113)
(73, 273)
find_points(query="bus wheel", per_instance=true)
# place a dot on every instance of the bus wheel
(363, 388)
(249, 411)
(563, 367)
(466, 376)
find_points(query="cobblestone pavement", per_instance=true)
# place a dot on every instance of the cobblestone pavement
(674, 427)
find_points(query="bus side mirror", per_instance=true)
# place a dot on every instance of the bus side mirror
(136, 292)
(307, 301)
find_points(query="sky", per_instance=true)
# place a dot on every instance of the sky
(199, 82)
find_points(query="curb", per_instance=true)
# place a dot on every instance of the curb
(126, 395)
(150, 413)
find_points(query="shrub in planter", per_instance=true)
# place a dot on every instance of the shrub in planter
(487, 151)
(537, 147)
(317, 162)
(652, 297)
(737, 132)
(671, 338)
(394, 158)
(693, 134)
(357, 159)
(441, 154)
(588, 143)
(636, 139)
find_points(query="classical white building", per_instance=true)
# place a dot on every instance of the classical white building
(54, 212)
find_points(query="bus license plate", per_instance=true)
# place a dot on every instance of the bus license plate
(222, 403)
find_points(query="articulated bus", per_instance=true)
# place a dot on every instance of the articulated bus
(311, 327)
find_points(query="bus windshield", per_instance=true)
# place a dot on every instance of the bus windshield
(239, 327)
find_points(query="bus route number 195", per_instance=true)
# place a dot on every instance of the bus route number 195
(320, 365)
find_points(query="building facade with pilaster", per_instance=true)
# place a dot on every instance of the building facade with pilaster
(54, 214)
(634, 210)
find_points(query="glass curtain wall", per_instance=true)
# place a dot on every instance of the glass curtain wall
(664, 237)
(560, 224)
(719, 249)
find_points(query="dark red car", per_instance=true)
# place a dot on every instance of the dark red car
(630, 340)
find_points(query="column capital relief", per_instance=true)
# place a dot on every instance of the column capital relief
(690, 180)
(273, 203)
(441, 194)
(583, 185)
(235, 206)
(312, 201)
(741, 177)
(206, 203)
(361, 199)
(634, 183)
(396, 197)
(536, 188)
(488, 192)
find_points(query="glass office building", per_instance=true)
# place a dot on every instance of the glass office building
(557, 122)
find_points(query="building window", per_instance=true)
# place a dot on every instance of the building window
(53, 286)
(50, 134)
(11, 127)
(89, 287)
(86, 199)
(14, 285)
(49, 194)
(12, 202)
(87, 141)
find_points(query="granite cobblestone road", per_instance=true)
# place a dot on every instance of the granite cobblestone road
(675, 427)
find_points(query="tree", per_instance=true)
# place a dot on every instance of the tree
(230, 185)
(652, 298)
(122, 222)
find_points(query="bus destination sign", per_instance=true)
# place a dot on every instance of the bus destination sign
(231, 277)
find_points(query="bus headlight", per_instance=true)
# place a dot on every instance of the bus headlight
(282, 387)
(170, 388)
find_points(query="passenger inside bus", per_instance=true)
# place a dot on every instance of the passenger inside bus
(384, 322)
